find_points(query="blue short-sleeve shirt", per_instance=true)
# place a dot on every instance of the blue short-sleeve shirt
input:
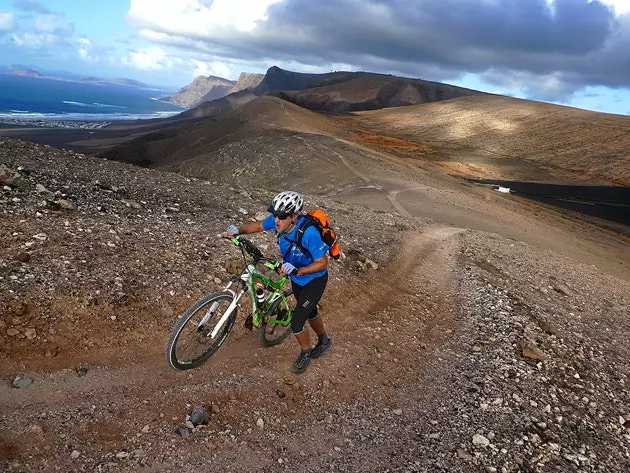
(311, 240)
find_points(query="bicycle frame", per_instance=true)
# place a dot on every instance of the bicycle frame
(248, 279)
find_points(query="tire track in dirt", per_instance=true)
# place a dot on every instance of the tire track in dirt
(392, 197)
(347, 164)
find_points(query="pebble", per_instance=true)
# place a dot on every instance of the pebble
(21, 381)
(75, 454)
(260, 423)
(480, 440)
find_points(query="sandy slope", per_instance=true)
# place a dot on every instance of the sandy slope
(513, 139)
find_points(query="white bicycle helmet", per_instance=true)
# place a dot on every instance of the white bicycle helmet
(286, 203)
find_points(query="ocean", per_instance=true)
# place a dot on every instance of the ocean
(30, 98)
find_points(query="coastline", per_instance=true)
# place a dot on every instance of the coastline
(53, 123)
(91, 137)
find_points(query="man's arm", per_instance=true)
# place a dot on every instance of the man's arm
(318, 265)
(252, 227)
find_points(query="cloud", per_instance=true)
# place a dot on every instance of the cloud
(556, 87)
(211, 68)
(33, 41)
(86, 50)
(151, 58)
(199, 16)
(563, 44)
(27, 5)
(42, 31)
(6, 21)
(51, 23)
(621, 7)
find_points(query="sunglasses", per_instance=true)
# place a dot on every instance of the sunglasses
(279, 216)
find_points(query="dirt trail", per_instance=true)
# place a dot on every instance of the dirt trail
(379, 327)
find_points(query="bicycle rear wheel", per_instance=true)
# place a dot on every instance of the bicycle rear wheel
(271, 333)
(190, 342)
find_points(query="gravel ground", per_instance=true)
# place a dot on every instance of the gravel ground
(455, 349)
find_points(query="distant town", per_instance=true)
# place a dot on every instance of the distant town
(48, 123)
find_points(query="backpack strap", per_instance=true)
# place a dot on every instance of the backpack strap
(298, 240)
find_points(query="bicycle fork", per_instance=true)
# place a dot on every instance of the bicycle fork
(225, 316)
(245, 280)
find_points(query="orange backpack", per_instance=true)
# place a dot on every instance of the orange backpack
(319, 218)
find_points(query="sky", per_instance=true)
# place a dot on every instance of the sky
(570, 52)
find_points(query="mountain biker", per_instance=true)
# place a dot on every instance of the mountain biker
(308, 275)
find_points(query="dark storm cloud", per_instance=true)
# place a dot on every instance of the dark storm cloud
(575, 37)
(577, 42)
(406, 28)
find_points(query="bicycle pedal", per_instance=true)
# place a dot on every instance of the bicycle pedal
(249, 323)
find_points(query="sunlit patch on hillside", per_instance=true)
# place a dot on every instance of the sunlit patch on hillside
(392, 144)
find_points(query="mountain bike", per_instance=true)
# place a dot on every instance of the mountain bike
(203, 328)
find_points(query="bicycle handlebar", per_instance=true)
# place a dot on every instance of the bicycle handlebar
(253, 251)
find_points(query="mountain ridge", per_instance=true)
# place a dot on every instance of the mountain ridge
(208, 88)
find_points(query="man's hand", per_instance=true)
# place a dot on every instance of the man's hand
(232, 231)
(288, 268)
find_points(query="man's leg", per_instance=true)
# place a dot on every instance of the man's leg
(306, 308)
(303, 339)
(317, 324)
(324, 343)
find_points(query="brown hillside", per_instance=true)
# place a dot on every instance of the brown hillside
(508, 138)
(263, 118)
(373, 91)
(482, 136)
(215, 107)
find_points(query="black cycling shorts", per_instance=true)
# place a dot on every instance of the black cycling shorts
(307, 297)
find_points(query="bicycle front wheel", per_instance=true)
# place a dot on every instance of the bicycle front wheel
(191, 341)
(272, 332)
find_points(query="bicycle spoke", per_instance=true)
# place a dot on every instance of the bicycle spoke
(190, 342)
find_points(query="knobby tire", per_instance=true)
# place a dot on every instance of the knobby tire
(189, 320)
(279, 332)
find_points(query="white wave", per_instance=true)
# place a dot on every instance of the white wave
(80, 104)
(94, 104)
(19, 111)
(105, 105)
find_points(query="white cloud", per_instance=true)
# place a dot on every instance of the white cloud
(151, 58)
(211, 68)
(86, 50)
(6, 21)
(36, 41)
(550, 87)
(620, 7)
(53, 24)
(196, 18)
